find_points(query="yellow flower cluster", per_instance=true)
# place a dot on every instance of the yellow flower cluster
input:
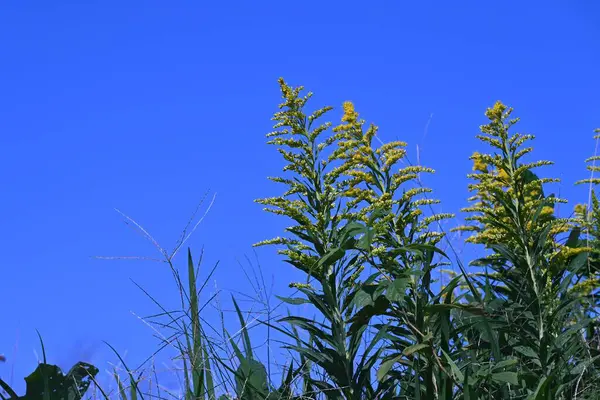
(362, 181)
(502, 181)
(350, 115)
(478, 164)
(587, 286)
(374, 176)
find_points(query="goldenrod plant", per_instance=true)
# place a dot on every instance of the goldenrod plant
(521, 324)
(321, 244)
(536, 257)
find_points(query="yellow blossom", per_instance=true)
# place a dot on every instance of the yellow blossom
(547, 210)
(478, 163)
(349, 114)
(496, 111)
(581, 209)
(502, 174)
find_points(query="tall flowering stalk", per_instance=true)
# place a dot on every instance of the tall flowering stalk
(384, 183)
(587, 217)
(311, 199)
(320, 244)
(509, 204)
(530, 270)
(402, 247)
(357, 205)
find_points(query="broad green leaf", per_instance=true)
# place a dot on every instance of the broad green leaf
(414, 348)
(251, 380)
(526, 351)
(362, 299)
(539, 393)
(505, 363)
(385, 367)
(506, 377)
(455, 370)
(329, 259)
(396, 290)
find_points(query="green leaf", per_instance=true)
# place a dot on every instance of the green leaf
(8, 389)
(294, 300)
(396, 290)
(79, 379)
(244, 330)
(349, 232)
(526, 351)
(455, 370)
(251, 380)
(195, 344)
(414, 348)
(209, 382)
(506, 377)
(505, 363)
(48, 382)
(134, 383)
(385, 367)
(329, 259)
(365, 241)
(573, 239)
(363, 298)
(540, 391)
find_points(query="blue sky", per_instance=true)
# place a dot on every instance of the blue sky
(146, 106)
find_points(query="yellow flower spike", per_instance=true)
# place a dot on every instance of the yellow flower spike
(478, 164)
(502, 174)
(534, 193)
(370, 133)
(587, 286)
(298, 285)
(547, 210)
(581, 209)
(350, 115)
(494, 189)
(497, 111)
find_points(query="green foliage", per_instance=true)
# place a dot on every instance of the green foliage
(392, 322)
(48, 382)
(206, 373)
(523, 326)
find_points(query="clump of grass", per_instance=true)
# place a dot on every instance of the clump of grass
(210, 366)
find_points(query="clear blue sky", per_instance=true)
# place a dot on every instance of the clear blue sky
(144, 106)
